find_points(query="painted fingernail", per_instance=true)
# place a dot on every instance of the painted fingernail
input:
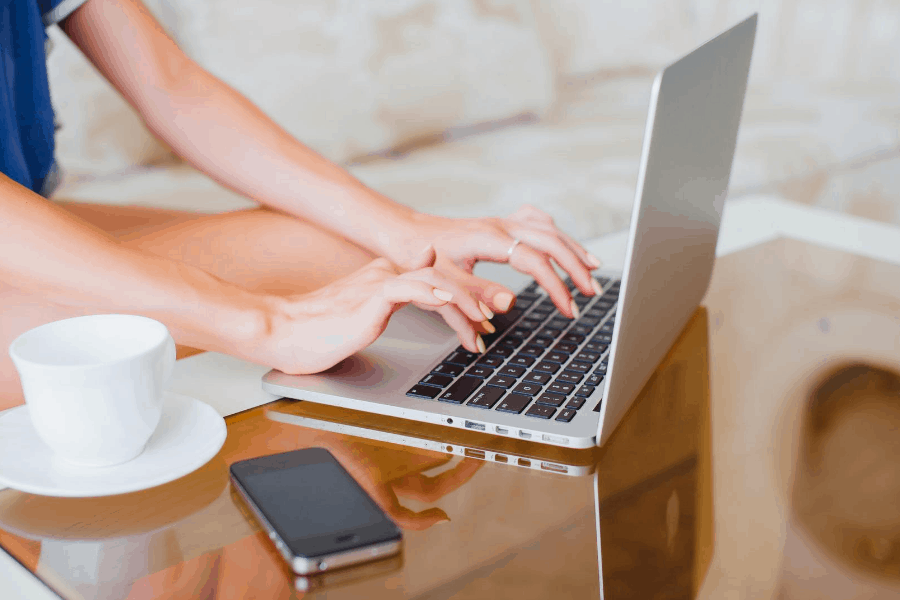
(504, 301)
(442, 295)
(595, 262)
(480, 344)
(575, 310)
(596, 286)
(488, 327)
(488, 313)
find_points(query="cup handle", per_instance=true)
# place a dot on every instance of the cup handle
(169, 361)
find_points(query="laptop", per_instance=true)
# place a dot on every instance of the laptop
(546, 378)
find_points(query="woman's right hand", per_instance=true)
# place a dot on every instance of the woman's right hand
(312, 332)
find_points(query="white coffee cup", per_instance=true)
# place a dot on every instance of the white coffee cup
(94, 385)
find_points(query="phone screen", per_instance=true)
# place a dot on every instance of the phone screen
(312, 500)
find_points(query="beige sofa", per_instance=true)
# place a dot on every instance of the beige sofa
(472, 107)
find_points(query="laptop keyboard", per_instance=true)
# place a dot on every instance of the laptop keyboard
(539, 362)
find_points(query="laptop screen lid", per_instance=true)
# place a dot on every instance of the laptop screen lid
(689, 143)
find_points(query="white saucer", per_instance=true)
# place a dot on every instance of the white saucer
(189, 434)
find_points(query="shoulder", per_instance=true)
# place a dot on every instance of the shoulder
(54, 11)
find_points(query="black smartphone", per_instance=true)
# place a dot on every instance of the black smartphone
(315, 513)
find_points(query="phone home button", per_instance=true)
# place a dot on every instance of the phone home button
(343, 539)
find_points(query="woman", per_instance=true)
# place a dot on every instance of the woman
(299, 284)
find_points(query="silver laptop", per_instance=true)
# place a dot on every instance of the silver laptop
(547, 378)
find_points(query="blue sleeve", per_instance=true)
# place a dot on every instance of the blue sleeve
(54, 11)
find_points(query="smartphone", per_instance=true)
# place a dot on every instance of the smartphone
(315, 513)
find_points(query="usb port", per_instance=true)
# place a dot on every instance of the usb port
(473, 425)
(524, 462)
(502, 430)
(501, 458)
(524, 435)
(472, 453)
(554, 467)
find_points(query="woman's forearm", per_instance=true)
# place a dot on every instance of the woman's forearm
(47, 251)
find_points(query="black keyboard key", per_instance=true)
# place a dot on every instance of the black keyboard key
(597, 312)
(603, 337)
(528, 388)
(557, 357)
(511, 341)
(594, 379)
(461, 389)
(486, 397)
(448, 369)
(588, 357)
(579, 367)
(570, 377)
(569, 284)
(464, 358)
(503, 351)
(566, 415)
(585, 390)
(523, 301)
(530, 293)
(503, 321)
(550, 332)
(514, 403)
(521, 332)
(491, 360)
(573, 337)
(581, 329)
(530, 324)
(588, 321)
(576, 402)
(541, 378)
(561, 387)
(512, 371)
(531, 350)
(521, 360)
(582, 301)
(559, 323)
(436, 380)
(543, 342)
(482, 371)
(424, 391)
(550, 399)
(567, 347)
(601, 368)
(595, 346)
(547, 367)
(503, 381)
(533, 288)
(540, 411)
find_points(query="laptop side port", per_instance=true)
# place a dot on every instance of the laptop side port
(476, 426)
(501, 458)
(524, 435)
(524, 462)
(554, 467)
(556, 439)
(472, 453)
(502, 430)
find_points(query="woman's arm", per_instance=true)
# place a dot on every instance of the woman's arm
(49, 252)
(222, 133)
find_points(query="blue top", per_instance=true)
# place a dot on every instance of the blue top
(26, 116)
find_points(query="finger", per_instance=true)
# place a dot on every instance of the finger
(431, 489)
(462, 298)
(424, 259)
(418, 521)
(590, 261)
(531, 214)
(535, 263)
(464, 328)
(556, 249)
(397, 291)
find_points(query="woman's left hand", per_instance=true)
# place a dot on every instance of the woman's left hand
(461, 243)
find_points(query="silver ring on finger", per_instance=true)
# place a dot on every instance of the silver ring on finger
(509, 252)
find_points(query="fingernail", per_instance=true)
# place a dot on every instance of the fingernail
(488, 326)
(595, 262)
(480, 344)
(504, 301)
(488, 313)
(575, 310)
(596, 286)
(442, 295)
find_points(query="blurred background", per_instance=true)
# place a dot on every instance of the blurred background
(473, 107)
